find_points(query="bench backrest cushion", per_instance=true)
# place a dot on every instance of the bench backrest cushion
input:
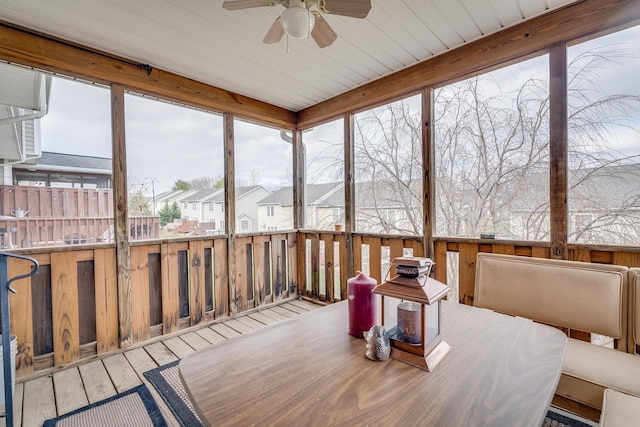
(584, 296)
(634, 306)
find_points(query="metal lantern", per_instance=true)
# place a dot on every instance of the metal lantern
(411, 313)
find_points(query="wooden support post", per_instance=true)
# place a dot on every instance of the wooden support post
(349, 191)
(299, 207)
(230, 208)
(428, 172)
(558, 181)
(121, 212)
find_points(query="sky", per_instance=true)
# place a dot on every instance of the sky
(168, 142)
(165, 142)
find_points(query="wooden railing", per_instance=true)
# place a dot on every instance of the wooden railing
(324, 258)
(467, 250)
(69, 310)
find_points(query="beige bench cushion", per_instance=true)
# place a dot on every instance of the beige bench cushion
(620, 410)
(590, 369)
(583, 296)
(634, 280)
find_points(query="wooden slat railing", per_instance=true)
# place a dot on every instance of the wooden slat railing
(69, 311)
(324, 254)
(467, 249)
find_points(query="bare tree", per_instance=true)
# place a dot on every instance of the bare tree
(206, 183)
(388, 169)
(492, 160)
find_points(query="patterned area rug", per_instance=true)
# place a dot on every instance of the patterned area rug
(558, 418)
(133, 408)
(166, 379)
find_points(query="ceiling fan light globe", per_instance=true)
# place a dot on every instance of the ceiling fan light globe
(297, 22)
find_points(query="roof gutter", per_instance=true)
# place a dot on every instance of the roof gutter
(44, 92)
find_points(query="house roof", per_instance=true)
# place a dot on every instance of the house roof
(202, 41)
(69, 162)
(387, 195)
(240, 192)
(201, 195)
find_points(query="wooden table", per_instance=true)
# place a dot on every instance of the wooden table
(501, 371)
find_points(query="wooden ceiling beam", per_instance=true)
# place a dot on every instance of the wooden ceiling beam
(27, 48)
(572, 22)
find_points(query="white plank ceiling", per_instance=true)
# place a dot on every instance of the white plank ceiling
(200, 40)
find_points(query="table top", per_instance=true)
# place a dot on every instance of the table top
(501, 371)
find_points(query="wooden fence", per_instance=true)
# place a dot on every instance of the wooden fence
(63, 216)
(46, 202)
(69, 310)
(35, 232)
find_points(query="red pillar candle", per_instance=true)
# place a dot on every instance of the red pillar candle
(362, 307)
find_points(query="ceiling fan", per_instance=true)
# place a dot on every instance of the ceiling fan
(299, 21)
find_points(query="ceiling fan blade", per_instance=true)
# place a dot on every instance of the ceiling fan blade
(245, 4)
(275, 33)
(322, 33)
(352, 8)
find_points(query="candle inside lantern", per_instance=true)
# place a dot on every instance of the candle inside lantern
(362, 308)
(409, 322)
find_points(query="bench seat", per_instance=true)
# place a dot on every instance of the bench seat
(620, 410)
(581, 296)
(590, 369)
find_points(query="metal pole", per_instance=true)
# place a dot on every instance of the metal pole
(6, 340)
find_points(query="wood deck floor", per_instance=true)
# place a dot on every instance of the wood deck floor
(56, 394)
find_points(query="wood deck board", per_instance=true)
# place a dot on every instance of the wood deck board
(17, 407)
(284, 311)
(251, 322)
(160, 353)
(39, 402)
(238, 326)
(122, 374)
(140, 360)
(195, 341)
(46, 397)
(224, 330)
(69, 391)
(179, 347)
(274, 314)
(210, 335)
(262, 318)
(295, 308)
(304, 304)
(97, 382)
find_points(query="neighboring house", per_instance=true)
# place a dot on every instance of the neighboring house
(247, 199)
(275, 212)
(324, 208)
(207, 206)
(192, 206)
(167, 198)
(64, 170)
(603, 205)
(380, 207)
(24, 96)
